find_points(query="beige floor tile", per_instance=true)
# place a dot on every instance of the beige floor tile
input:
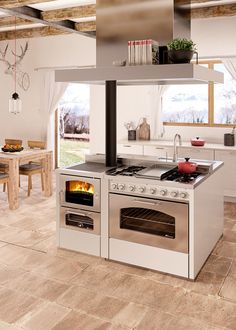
(47, 245)
(229, 224)
(7, 326)
(228, 289)
(78, 321)
(91, 302)
(217, 312)
(155, 320)
(38, 286)
(131, 315)
(15, 305)
(105, 281)
(10, 274)
(33, 222)
(2, 244)
(229, 236)
(188, 323)
(226, 249)
(46, 318)
(217, 264)
(232, 271)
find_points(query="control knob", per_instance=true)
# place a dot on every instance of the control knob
(183, 195)
(121, 187)
(153, 191)
(163, 192)
(131, 188)
(114, 185)
(141, 189)
(174, 194)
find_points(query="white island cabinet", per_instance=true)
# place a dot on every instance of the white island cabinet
(196, 153)
(229, 172)
(158, 151)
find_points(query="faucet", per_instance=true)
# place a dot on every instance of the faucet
(175, 155)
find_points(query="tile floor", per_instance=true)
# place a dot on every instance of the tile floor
(43, 288)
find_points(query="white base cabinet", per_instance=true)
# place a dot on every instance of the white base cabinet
(130, 149)
(196, 153)
(160, 152)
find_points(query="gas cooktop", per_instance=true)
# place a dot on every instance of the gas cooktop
(125, 171)
(154, 173)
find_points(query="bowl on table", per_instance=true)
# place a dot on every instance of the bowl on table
(12, 148)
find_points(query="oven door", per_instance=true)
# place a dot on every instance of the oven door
(84, 221)
(153, 222)
(80, 192)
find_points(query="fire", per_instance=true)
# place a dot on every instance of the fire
(77, 186)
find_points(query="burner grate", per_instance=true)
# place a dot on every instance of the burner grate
(182, 177)
(125, 171)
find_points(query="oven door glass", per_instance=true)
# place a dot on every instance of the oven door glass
(148, 221)
(79, 192)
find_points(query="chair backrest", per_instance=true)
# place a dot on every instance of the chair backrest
(37, 144)
(13, 142)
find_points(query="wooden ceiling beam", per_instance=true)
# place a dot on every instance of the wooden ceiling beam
(10, 21)
(85, 26)
(20, 3)
(35, 16)
(69, 13)
(214, 11)
(31, 33)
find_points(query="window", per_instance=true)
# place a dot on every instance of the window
(202, 105)
(73, 125)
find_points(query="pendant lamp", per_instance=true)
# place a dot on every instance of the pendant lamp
(15, 103)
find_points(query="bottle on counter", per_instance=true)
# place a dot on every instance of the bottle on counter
(144, 130)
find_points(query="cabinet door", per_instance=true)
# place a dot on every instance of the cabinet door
(158, 151)
(130, 149)
(196, 153)
(229, 171)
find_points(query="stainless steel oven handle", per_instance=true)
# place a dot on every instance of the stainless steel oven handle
(78, 213)
(61, 195)
(147, 202)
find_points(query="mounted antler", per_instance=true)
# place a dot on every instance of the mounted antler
(21, 56)
(3, 55)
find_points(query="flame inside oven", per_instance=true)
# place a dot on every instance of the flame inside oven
(79, 186)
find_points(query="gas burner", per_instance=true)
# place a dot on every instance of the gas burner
(182, 177)
(125, 171)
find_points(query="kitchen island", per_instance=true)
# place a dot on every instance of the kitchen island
(169, 226)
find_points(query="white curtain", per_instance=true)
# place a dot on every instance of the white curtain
(51, 94)
(230, 64)
(156, 95)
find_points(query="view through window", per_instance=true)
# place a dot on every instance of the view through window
(73, 125)
(213, 105)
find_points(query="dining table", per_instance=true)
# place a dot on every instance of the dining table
(15, 159)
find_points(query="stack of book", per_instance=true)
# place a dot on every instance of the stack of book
(142, 52)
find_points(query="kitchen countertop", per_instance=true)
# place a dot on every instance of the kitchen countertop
(167, 143)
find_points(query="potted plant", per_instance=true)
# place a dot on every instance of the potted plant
(181, 50)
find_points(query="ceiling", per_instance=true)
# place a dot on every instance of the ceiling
(34, 18)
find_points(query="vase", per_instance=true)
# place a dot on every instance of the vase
(180, 56)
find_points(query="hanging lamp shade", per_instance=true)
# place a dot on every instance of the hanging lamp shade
(15, 104)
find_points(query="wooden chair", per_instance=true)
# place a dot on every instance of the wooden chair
(4, 179)
(32, 168)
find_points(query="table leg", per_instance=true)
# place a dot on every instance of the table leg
(13, 184)
(47, 165)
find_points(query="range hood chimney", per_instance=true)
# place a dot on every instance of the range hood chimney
(119, 21)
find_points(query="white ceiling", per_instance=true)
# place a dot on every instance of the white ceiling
(59, 4)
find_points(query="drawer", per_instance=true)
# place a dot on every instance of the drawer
(196, 153)
(158, 151)
(130, 149)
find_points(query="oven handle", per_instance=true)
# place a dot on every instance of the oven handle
(78, 213)
(61, 195)
(147, 202)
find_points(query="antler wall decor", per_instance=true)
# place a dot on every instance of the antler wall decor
(22, 77)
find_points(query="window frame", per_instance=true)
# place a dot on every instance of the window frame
(210, 123)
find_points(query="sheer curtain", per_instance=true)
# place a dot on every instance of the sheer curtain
(156, 95)
(51, 94)
(230, 64)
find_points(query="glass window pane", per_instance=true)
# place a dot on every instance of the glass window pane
(186, 104)
(225, 98)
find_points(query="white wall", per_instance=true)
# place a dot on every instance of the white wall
(66, 50)
(214, 37)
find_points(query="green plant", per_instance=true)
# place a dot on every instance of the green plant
(181, 44)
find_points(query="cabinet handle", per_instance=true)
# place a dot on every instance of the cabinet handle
(158, 148)
(126, 146)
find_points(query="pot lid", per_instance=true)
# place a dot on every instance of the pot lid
(197, 138)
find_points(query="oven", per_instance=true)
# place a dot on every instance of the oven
(154, 222)
(83, 221)
(80, 192)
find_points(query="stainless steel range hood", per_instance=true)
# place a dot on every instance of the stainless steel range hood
(119, 21)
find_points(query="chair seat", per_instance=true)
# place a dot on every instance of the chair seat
(3, 175)
(30, 167)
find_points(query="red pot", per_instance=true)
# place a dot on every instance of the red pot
(197, 142)
(187, 167)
